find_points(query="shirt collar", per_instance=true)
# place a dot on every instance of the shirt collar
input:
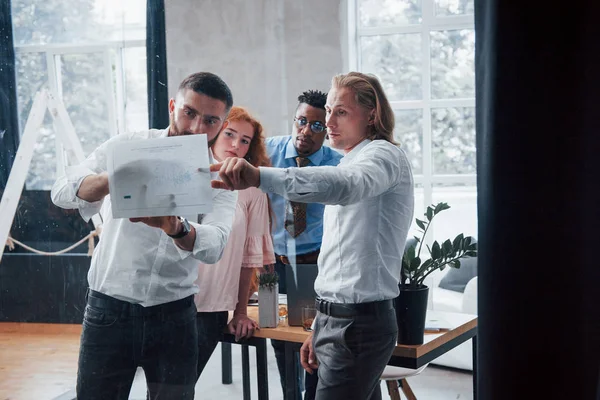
(290, 152)
(354, 152)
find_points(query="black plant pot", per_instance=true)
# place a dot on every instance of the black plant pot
(411, 310)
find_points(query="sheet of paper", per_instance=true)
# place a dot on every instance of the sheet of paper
(156, 177)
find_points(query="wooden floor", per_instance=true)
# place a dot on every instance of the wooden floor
(37, 361)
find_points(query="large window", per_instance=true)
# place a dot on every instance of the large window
(92, 55)
(423, 52)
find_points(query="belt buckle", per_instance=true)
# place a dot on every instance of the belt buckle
(325, 306)
(321, 303)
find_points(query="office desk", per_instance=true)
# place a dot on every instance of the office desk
(463, 327)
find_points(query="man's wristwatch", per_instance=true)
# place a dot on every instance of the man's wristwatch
(185, 229)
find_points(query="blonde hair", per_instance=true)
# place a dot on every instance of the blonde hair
(369, 94)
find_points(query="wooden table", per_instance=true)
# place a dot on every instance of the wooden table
(464, 327)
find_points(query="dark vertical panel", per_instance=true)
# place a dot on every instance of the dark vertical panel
(156, 60)
(538, 136)
(9, 118)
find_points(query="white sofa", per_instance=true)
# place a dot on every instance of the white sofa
(448, 300)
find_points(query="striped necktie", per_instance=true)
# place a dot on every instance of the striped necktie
(295, 222)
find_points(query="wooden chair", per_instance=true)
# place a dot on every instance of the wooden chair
(395, 379)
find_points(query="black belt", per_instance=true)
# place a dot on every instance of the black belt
(347, 310)
(105, 302)
(308, 258)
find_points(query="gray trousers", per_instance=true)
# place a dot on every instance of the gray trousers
(352, 353)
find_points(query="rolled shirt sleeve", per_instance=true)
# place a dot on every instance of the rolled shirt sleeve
(64, 191)
(212, 232)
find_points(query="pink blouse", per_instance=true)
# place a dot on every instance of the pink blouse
(249, 246)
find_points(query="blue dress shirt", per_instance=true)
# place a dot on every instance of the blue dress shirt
(283, 154)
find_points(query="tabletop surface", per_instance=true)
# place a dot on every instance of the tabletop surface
(457, 324)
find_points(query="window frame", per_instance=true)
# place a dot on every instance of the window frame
(116, 103)
(112, 52)
(430, 22)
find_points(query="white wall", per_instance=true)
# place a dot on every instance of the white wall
(268, 51)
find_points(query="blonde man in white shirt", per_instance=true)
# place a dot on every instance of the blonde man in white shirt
(140, 305)
(369, 208)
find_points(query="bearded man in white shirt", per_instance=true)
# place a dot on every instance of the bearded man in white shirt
(140, 305)
(369, 208)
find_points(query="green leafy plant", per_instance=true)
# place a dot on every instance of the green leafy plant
(268, 278)
(448, 253)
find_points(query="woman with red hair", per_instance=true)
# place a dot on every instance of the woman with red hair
(224, 286)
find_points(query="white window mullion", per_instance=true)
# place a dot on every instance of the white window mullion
(133, 43)
(432, 24)
(450, 179)
(407, 104)
(78, 48)
(427, 156)
(358, 37)
(389, 30)
(462, 179)
(352, 32)
(451, 22)
(449, 103)
(433, 103)
(110, 92)
(121, 90)
(427, 10)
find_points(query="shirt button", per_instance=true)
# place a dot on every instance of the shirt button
(270, 188)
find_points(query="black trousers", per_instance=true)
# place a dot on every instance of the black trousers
(210, 331)
(118, 337)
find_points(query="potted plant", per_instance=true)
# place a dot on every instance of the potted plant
(411, 304)
(268, 298)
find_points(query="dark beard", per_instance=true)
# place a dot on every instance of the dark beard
(172, 128)
(173, 131)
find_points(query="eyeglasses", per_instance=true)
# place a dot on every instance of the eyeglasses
(316, 126)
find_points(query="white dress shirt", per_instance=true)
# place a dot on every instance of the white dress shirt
(133, 261)
(369, 201)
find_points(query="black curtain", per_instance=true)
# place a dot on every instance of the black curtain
(156, 64)
(538, 143)
(9, 117)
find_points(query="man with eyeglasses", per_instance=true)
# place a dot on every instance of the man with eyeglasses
(298, 227)
(140, 309)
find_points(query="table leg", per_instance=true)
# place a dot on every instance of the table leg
(262, 377)
(226, 372)
(291, 373)
(245, 372)
(474, 367)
